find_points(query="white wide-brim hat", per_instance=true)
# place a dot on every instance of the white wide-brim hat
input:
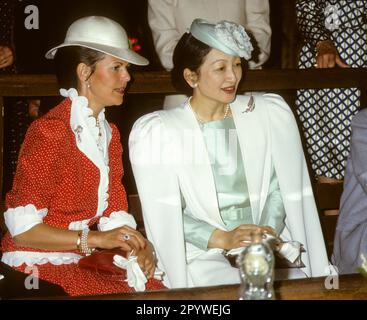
(226, 36)
(101, 34)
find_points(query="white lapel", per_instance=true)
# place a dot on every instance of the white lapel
(85, 142)
(197, 181)
(254, 140)
(108, 133)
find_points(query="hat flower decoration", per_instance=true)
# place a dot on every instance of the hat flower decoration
(235, 37)
(134, 44)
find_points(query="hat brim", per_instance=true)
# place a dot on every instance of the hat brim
(123, 54)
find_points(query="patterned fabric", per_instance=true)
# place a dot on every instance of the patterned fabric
(76, 281)
(326, 114)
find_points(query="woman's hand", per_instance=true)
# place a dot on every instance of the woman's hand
(239, 237)
(328, 56)
(6, 57)
(126, 238)
(147, 260)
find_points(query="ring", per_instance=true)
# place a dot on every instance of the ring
(125, 237)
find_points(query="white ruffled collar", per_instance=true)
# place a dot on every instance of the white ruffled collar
(87, 139)
(87, 113)
(90, 139)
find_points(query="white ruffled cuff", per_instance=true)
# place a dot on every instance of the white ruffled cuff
(115, 220)
(79, 225)
(290, 250)
(135, 277)
(21, 219)
(17, 258)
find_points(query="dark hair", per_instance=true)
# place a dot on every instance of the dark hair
(189, 53)
(67, 60)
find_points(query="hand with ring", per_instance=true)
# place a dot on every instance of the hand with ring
(126, 238)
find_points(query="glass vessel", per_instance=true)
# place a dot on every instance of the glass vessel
(256, 265)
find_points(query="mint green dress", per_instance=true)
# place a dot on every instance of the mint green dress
(231, 186)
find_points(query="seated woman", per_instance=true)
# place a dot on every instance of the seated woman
(70, 168)
(220, 166)
(351, 231)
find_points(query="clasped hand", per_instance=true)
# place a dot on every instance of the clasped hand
(131, 241)
(238, 237)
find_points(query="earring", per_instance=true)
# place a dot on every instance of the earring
(88, 85)
(195, 85)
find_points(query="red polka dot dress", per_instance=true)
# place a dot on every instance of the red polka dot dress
(65, 180)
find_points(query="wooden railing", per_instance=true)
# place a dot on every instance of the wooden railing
(346, 287)
(159, 82)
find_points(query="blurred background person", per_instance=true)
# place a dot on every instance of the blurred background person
(16, 112)
(334, 36)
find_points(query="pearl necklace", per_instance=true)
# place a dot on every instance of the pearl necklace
(201, 121)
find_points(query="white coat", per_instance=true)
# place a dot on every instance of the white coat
(171, 165)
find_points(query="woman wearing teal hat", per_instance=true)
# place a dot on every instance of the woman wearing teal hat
(221, 166)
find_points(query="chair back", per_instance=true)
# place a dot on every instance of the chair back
(328, 200)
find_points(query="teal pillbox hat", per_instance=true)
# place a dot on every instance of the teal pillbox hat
(226, 36)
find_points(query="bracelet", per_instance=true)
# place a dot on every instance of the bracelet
(78, 241)
(84, 242)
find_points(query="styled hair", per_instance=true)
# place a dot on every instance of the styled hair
(67, 60)
(190, 53)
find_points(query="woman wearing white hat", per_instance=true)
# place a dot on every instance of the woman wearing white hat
(70, 168)
(220, 166)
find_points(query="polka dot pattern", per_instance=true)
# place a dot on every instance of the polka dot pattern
(76, 281)
(53, 173)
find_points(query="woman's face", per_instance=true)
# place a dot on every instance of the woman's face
(219, 76)
(108, 83)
